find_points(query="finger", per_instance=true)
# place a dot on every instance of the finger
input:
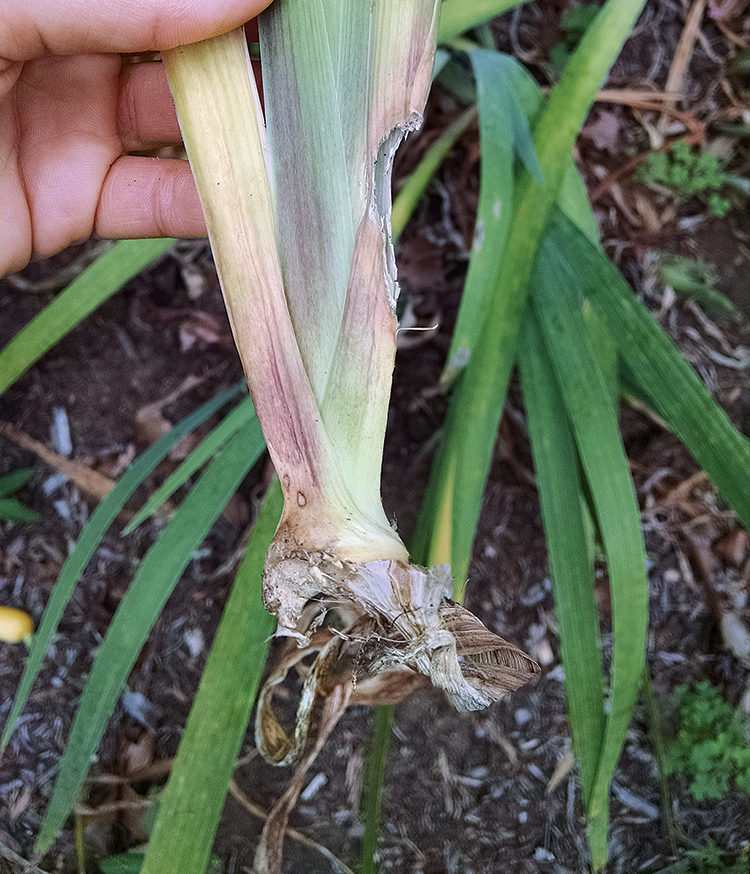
(15, 219)
(146, 115)
(29, 30)
(66, 143)
(149, 197)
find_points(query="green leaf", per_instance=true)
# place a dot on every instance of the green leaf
(122, 863)
(498, 80)
(192, 802)
(460, 469)
(315, 178)
(132, 863)
(372, 787)
(243, 415)
(675, 391)
(561, 312)
(570, 556)
(457, 16)
(15, 480)
(95, 285)
(138, 610)
(90, 538)
(572, 197)
(15, 511)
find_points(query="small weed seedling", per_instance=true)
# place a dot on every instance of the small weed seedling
(688, 172)
(710, 751)
(696, 279)
(711, 859)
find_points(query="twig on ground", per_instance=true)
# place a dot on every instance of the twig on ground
(683, 53)
(93, 483)
(25, 867)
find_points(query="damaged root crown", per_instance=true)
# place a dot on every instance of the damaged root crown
(402, 616)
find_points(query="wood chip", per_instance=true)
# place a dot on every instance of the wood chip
(732, 547)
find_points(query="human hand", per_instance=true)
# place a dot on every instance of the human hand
(70, 112)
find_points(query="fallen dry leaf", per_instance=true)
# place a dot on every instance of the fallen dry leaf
(202, 327)
(256, 810)
(605, 133)
(151, 423)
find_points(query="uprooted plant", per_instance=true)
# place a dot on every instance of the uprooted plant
(298, 212)
(299, 219)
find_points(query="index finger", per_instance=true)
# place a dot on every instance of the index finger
(30, 30)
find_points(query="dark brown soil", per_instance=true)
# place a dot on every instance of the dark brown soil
(465, 793)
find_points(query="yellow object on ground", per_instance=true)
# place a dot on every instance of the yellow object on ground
(15, 625)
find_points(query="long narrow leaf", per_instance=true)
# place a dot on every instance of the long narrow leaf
(138, 610)
(560, 310)
(192, 802)
(505, 134)
(662, 373)
(15, 480)
(95, 285)
(572, 197)
(456, 16)
(463, 460)
(372, 788)
(90, 538)
(570, 555)
(243, 415)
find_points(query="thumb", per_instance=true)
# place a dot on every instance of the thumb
(72, 27)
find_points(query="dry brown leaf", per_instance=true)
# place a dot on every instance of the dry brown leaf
(683, 52)
(200, 326)
(605, 132)
(136, 756)
(494, 665)
(150, 422)
(726, 10)
(647, 213)
(563, 767)
(399, 613)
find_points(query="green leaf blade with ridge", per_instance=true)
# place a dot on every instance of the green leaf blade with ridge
(89, 540)
(561, 312)
(192, 802)
(676, 391)
(463, 460)
(242, 416)
(498, 80)
(457, 16)
(95, 285)
(129, 629)
(568, 544)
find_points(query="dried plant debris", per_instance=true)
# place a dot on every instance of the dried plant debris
(377, 631)
(370, 623)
